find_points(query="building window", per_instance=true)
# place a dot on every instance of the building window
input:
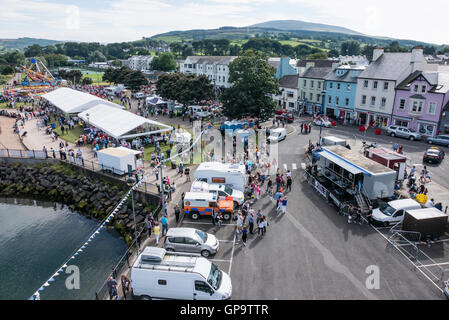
(416, 106)
(319, 85)
(348, 87)
(331, 85)
(311, 96)
(311, 83)
(337, 101)
(373, 101)
(318, 97)
(402, 104)
(432, 108)
(423, 89)
(363, 100)
(383, 102)
(415, 89)
(330, 99)
(347, 102)
(385, 85)
(338, 86)
(425, 129)
(375, 85)
(401, 123)
(365, 84)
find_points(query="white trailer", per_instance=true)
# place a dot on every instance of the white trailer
(231, 174)
(117, 160)
(158, 274)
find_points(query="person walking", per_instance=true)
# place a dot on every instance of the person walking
(244, 235)
(164, 222)
(265, 224)
(260, 225)
(284, 205)
(125, 285)
(148, 225)
(289, 182)
(112, 288)
(251, 222)
(157, 232)
(236, 235)
(269, 184)
(177, 213)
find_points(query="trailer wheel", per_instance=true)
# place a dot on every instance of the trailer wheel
(194, 215)
(227, 215)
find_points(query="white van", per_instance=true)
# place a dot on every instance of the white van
(231, 174)
(199, 111)
(158, 274)
(221, 190)
(277, 135)
(393, 211)
(140, 95)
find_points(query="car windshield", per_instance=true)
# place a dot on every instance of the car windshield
(386, 209)
(228, 190)
(433, 152)
(214, 278)
(412, 130)
(201, 235)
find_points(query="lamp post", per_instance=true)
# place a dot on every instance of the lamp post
(130, 181)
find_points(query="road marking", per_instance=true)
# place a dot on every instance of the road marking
(329, 259)
(218, 260)
(285, 167)
(294, 166)
(232, 257)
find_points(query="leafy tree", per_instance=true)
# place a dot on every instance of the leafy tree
(253, 81)
(185, 88)
(350, 48)
(333, 53)
(74, 75)
(429, 50)
(6, 69)
(318, 55)
(33, 51)
(97, 56)
(135, 79)
(55, 60)
(117, 63)
(367, 51)
(395, 47)
(164, 62)
(86, 81)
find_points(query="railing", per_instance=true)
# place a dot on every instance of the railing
(126, 261)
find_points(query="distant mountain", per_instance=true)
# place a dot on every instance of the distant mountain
(22, 43)
(291, 25)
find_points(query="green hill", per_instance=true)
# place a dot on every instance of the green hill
(21, 43)
(303, 26)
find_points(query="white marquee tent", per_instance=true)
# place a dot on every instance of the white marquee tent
(74, 101)
(117, 123)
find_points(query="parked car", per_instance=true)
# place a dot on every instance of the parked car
(221, 190)
(191, 240)
(393, 211)
(286, 116)
(322, 122)
(277, 135)
(441, 140)
(433, 154)
(403, 132)
(140, 95)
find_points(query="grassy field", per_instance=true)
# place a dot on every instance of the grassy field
(4, 78)
(70, 136)
(3, 105)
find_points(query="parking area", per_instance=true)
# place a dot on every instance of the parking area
(225, 235)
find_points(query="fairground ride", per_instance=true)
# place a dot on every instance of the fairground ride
(37, 74)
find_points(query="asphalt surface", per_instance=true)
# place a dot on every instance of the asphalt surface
(311, 252)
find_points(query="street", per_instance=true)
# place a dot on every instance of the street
(311, 252)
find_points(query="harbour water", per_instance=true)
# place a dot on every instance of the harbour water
(36, 238)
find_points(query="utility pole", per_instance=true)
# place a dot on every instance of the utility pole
(164, 210)
(134, 218)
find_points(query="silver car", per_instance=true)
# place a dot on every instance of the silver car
(191, 240)
(441, 140)
(403, 132)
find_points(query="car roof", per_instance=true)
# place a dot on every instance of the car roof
(189, 196)
(403, 203)
(181, 232)
(278, 130)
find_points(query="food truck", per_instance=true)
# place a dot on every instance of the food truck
(389, 159)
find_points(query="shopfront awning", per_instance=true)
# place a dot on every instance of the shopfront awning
(341, 162)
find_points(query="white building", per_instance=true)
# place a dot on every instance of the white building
(288, 99)
(216, 68)
(376, 85)
(139, 63)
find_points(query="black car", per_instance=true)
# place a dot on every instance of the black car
(433, 155)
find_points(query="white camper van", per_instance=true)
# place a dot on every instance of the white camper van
(221, 190)
(231, 174)
(393, 211)
(158, 274)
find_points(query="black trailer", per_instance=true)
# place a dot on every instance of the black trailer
(429, 222)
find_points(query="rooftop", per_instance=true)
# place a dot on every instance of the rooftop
(355, 158)
(317, 72)
(211, 59)
(388, 66)
(318, 63)
(290, 81)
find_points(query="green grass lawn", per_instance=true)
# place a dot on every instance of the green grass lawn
(4, 78)
(3, 105)
(70, 136)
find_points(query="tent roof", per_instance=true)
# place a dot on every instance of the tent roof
(74, 101)
(119, 151)
(116, 122)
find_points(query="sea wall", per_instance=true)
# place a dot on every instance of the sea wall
(88, 195)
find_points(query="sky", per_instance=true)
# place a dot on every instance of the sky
(108, 21)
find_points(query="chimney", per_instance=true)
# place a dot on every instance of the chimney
(417, 58)
(377, 52)
(335, 65)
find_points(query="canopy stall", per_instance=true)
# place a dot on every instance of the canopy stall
(121, 124)
(73, 101)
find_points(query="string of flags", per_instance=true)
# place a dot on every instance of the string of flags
(101, 225)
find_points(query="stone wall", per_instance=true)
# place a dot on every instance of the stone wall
(88, 195)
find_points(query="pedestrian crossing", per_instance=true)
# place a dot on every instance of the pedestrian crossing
(293, 166)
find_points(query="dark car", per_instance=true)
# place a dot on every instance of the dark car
(433, 155)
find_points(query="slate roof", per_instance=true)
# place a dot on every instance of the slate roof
(211, 59)
(389, 66)
(317, 73)
(440, 80)
(290, 81)
(274, 62)
(332, 76)
(318, 63)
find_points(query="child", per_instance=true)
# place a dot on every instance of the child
(157, 232)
